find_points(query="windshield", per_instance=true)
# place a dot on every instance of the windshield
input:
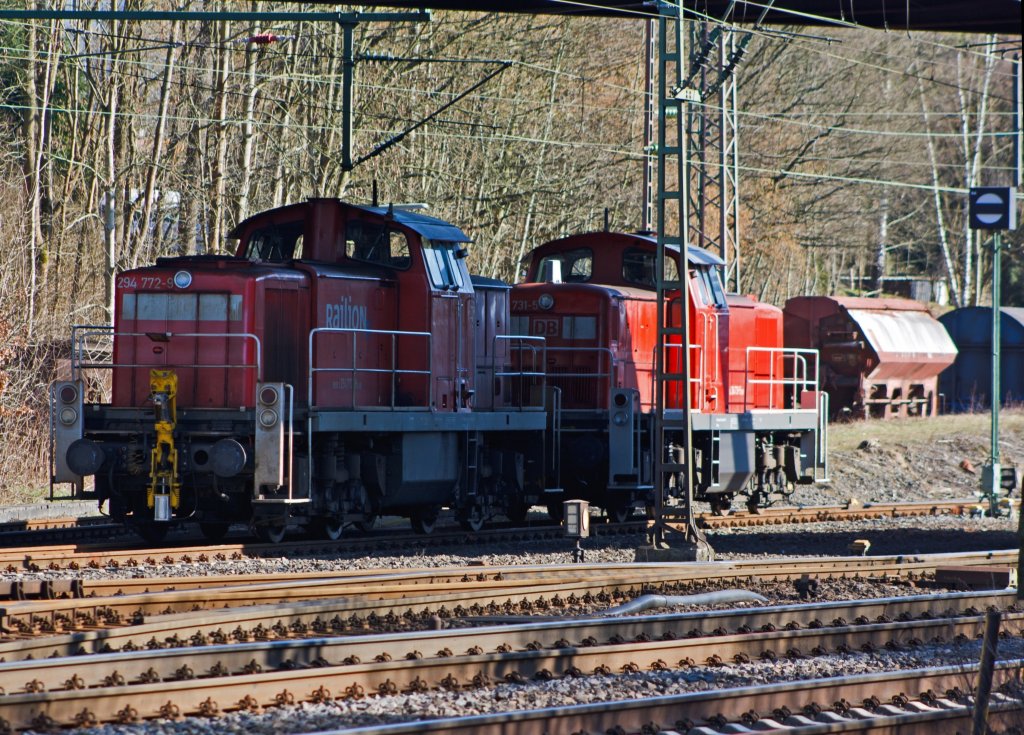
(575, 265)
(276, 243)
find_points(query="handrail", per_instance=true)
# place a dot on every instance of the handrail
(710, 327)
(394, 371)
(698, 380)
(606, 351)
(801, 377)
(821, 440)
(79, 334)
(540, 347)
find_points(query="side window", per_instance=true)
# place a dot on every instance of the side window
(400, 257)
(443, 267)
(372, 242)
(639, 267)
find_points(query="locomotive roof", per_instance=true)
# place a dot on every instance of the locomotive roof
(422, 224)
(695, 255)
(429, 227)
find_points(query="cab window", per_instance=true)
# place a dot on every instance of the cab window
(277, 243)
(698, 284)
(444, 265)
(705, 280)
(715, 284)
(372, 242)
(638, 267)
(575, 265)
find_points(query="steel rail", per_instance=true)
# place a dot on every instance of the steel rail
(23, 589)
(732, 704)
(824, 514)
(207, 696)
(346, 616)
(29, 556)
(494, 586)
(149, 591)
(646, 715)
(425, 595)
(526, 650)
(100, 555)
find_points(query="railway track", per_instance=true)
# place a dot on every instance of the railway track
(874, 703)
(69, 555)
(210, 679)
(351, 602)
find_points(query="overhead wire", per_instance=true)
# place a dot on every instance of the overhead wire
(762, 116)
(489, 97)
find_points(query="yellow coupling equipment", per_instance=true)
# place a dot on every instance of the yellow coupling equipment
(164, 492)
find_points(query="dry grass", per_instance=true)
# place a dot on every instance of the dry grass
(914, 431)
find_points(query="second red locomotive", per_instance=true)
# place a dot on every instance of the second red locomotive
(758, 419)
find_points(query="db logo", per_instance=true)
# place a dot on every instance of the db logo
(545, 328)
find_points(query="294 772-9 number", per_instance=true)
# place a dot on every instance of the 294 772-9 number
(145, 282)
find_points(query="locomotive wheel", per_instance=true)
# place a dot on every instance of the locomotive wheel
(472, 519)
(423, 521)
(366, 523)
(271, 534)
(720, 505)
(214, 530)
(754, 503)
(516, 512)
(153, 532)
(619, 513)
(556, 511)
(330, 528)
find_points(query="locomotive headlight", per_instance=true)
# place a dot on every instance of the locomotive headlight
(619, 418)
(268, 417)
(546, 301)
(68, 416)
(182, 279)
(268, 396)
(68, 394)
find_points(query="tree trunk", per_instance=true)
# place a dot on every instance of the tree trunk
(947, 258)
(220, 161)
(158, 143)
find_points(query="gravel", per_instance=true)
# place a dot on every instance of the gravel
(918, 535)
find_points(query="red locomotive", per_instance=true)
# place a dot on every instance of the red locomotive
(341, 365)
(757, 418)
(344, 364)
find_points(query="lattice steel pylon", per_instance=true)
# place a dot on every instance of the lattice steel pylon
(713, 133)
(673, 440)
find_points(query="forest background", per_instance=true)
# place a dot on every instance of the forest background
(125, 141)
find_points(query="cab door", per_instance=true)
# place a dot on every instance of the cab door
(709, 329)
(451, 313)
